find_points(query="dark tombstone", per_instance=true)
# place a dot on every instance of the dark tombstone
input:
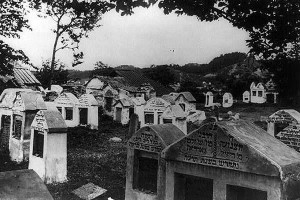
(133, 125)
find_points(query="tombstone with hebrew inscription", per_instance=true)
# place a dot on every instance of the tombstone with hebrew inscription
(231, 160)
(145, 170)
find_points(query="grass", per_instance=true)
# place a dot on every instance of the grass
(91, 158)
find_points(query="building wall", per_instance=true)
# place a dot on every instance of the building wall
(181, 124)
(139, 110)
(209, 100)
(271, 128)
(75, 121)
(124, 114)
(93, 117)
(16, 147)
(94, 84)
(256, 98)
(37, 163)
(134, 194)
(222, 177)
(188, 106)
(7, 112)
(56, 158)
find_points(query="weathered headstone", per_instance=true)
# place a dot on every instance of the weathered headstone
(89, 191)
(133, 125)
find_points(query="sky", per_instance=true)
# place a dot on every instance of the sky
(142, 39)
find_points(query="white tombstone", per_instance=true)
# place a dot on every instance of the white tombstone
(88, 109)
(67, 103)
(258, 93)
(209, 99)
(17, 110)
(48, 145)
(246, 97)
(227, 100)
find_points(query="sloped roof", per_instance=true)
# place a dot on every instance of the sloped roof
(23, 184)
(188, 96)
(271, 157)
(138, 101)
(158, 137)
(169, 98)
(67, 98)
(117, 82)
(88, 100)
(33, 100)
(196, 116)
(137, 79)
(8, 96)
(286, 115)
(54, 119)
(174, 111)
(125, 101)
(169, 133)
(24, 77)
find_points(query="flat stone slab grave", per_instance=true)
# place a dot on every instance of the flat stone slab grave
(89, 191)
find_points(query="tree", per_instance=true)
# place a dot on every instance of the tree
(102, 69)
(12, 22)
(161, 73)
(61, 75)
(74, 20)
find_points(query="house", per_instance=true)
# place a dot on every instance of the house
(246, 97)
(227, 100)
(153, 110)
(18, 108)
(21, 78)
(66, 104)
(89, 111)
(282, 119)
(217, 160)
(145, 171)
(48, 145)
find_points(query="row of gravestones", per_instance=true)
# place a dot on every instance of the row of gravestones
(34, 130)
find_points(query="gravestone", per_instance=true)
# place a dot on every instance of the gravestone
(89, 191)
(133, 125)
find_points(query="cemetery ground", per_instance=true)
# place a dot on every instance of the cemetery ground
(92, 158)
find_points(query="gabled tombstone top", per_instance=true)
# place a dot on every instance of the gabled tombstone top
(67, 98)
(155, 138)
(285, 116)
(236, 145)
(50, 120)
(156, 104)
(88, 100)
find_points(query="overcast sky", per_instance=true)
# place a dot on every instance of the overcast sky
(145, 38)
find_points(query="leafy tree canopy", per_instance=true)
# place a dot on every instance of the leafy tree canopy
(12, 22)
(161, 73)
(74, 20)
(61, 75)
(273, 25)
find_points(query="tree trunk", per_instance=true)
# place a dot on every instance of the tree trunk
(53, 60)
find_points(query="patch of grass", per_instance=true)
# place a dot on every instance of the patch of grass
(92, 158)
